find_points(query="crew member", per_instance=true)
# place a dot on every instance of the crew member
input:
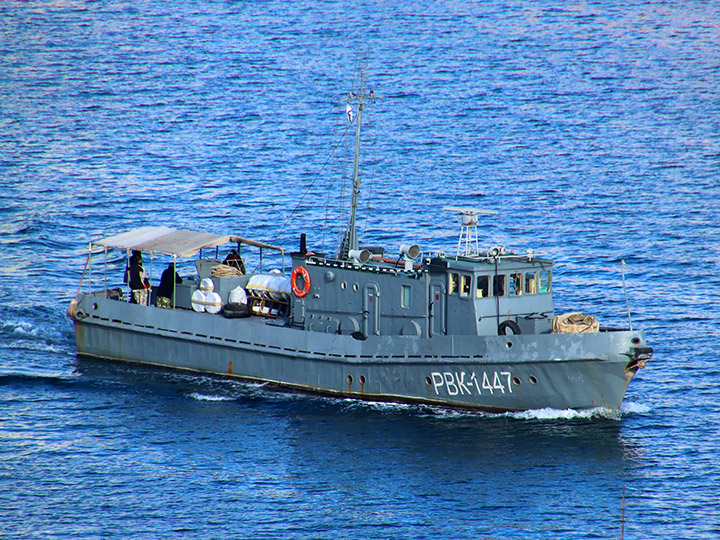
(139, 284)
(167, 287)
(233, 259)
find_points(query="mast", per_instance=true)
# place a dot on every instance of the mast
(350, 240)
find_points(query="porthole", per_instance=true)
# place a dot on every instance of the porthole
(516, 381)
(349, 379)
(362, 379)
(428, 381)
(343, 285)
(95, 306)
(532, 380)
(355, 287)
(635, 341)
(509, 344)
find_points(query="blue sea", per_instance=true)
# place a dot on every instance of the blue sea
(593, 128)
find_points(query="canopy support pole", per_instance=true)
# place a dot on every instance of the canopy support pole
(87, 263)
(106, 285)
(173, 278)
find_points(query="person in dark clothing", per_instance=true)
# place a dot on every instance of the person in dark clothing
(234, 260)
(167, 286)
(137, 278)
(128, 264)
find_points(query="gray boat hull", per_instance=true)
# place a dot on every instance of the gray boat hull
(493, 373)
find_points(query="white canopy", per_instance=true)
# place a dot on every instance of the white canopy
(174, 242)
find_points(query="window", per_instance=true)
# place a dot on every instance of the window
(465, 283)
(499, 285)
(453, 283)
(531, 283)
(405, 291)
(483, 287)
(516, 285)
(544, 281)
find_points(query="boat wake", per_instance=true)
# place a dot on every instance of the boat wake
(631, 408)
(239, 390)
(24, 335)
(566, 414)
(626, 409)
(28, 345)
(23, 328)
(209, 397)
(12, 378)
(545, 414)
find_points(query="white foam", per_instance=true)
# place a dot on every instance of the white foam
(21, 327)
(634, 408)
(209, 397)
(447, 413)
(383, 406)
(564, 414)
(25, 345)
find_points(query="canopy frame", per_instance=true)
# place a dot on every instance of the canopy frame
(176, 243)
(164, 240)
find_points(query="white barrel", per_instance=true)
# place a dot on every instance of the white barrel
(198, 301)
(237, 296)
(207, 285)
(213, 302)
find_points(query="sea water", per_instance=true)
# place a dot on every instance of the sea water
(592, 128)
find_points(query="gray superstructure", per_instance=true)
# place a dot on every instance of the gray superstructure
(472, 329)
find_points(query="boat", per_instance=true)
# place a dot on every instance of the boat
(475, 329)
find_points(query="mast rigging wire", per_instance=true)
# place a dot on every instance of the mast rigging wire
(282, 229)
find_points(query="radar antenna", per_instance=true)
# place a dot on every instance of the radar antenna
(468, 231)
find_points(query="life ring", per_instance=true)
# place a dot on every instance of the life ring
(300, 270)
(508, 325)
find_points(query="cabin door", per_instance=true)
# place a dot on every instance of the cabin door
(437, 309)
(371, 310)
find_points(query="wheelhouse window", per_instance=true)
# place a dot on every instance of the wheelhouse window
(499, 285)
(544, 281)
(405, 295)
(516, 284)
(465, 284)
(531, 283)
(483, 287)
(453, 282)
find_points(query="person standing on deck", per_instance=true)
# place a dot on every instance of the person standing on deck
(167, 287)
(139, 284)
(234, 260)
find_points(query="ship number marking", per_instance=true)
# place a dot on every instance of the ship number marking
(461, 383)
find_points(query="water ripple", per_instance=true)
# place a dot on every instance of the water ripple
(593, 129)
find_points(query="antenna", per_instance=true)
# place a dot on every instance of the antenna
(350, 240)
(468, 230)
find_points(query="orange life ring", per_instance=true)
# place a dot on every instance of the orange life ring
(300, 270)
